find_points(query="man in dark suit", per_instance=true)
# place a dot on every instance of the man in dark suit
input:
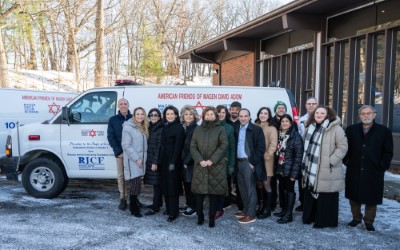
(250, 151)
(369, 155)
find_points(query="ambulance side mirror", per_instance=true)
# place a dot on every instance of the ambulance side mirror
(65, 115)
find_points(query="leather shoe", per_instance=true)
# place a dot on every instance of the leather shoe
(353, 223)
(240, 215)
(171, 218)
(299, 208)
(247, 219)
(150, 212)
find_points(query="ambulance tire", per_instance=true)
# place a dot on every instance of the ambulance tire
(43, 178)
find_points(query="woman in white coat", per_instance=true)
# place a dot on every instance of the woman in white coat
(134, 143)
(325, 145)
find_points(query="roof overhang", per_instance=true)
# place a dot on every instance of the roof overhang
(297, 15)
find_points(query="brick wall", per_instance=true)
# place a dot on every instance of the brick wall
(238, 71)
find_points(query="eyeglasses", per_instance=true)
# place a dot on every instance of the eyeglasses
(368, 113)
(153, 115)
(311, 103)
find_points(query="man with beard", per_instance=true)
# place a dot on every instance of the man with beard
(369, 155)
(234, 112)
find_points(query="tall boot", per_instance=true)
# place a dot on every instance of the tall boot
(133, 206)
(261, 208)
(283, 201)
(267, 205)
(288, 216)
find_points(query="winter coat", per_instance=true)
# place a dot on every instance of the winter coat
(293, 154)
(271, 141)
(230, 152)
(333, 149)
(134, 144)
(114, 131)
(367, 159)
(186, 156)
(254, 148)
(209, 142)
(154, 143)
(172, 139)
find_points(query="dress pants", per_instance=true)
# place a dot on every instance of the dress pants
(121, 179)
(247, 186)
(370, 212)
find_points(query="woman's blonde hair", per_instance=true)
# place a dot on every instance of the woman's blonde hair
(143, 125)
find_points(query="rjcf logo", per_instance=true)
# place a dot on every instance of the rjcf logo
(91, 132)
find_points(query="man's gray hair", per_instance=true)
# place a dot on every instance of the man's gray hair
(123, 99)
(366, 107)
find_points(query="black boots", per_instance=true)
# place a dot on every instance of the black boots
(200, 219)
(266, 212)
(133, 206)
(211, 221)
(122, 205)
(291, 198)
(283, 204)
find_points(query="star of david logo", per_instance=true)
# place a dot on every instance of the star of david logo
(54, 108)
(92, 133)
(199, 105)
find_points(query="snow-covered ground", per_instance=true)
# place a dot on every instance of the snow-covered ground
(85, 217)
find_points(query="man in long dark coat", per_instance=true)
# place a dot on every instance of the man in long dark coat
(369, 155)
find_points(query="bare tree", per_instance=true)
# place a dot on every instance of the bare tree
(4, 80)
(99, 67)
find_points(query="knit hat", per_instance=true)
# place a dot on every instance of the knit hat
(278, 104)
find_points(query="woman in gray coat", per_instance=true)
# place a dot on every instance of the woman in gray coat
(208, 148)
(134, 144)
(324, 148)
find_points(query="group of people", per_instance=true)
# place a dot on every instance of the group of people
(230, 159)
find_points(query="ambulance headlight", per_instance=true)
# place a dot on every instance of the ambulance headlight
(9, 146)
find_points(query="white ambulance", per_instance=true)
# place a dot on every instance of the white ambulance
(73, 144)
(28, 106)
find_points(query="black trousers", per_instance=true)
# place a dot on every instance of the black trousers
(274, 188)
(157, 197)
(213, 204)
(172, 205)
(190, 199)
(301, 190)
(323, 211)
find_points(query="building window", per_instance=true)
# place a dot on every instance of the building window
(395, 123)
(378, 63)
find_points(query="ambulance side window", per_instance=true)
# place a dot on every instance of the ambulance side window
(96, 107)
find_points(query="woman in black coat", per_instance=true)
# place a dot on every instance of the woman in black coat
(189, 119)
(169, 160)
(153, 173)
(289, 155)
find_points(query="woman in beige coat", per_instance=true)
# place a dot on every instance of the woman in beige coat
(264, 120)
(324, 148)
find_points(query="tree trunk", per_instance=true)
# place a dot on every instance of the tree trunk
(99, 66)
(3, 64)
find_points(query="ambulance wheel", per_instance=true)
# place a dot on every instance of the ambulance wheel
(43, 178)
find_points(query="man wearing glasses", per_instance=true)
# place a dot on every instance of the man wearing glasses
(311, 105)
(114, 135)
(369, 155)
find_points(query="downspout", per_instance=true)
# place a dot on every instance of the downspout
(219, 66)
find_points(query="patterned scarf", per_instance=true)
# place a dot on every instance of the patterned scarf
(280, 150)
(311, 155)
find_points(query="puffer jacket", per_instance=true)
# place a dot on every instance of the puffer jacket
(134, 144)
(154, 143)
(209, 142)
(333, 149)
(293, 154)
